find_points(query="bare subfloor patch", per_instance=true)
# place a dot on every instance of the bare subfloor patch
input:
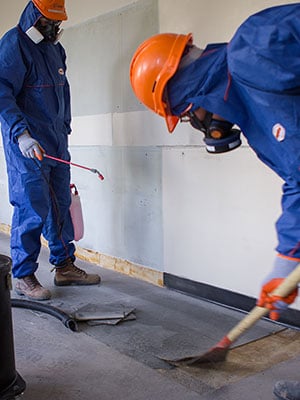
(241, 362)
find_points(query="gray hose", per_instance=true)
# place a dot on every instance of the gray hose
(65, 318)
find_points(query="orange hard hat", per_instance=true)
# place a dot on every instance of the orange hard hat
(52, 9)
(153, 64)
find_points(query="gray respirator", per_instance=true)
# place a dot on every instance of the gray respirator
(45, 29)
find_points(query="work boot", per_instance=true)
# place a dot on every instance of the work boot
(287, 390)
(68, 274)
(30, 287)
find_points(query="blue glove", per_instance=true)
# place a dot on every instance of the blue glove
(282, 268)
(30, 147)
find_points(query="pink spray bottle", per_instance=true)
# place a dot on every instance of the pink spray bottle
(76, 213)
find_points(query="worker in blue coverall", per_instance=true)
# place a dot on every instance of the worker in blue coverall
(35, 118)
(251, 83)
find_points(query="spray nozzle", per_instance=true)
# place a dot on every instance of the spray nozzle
(95, 171)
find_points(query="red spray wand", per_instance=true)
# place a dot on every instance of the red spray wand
(95, 171)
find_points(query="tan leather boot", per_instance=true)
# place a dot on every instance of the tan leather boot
(68, 274)
(30, 287)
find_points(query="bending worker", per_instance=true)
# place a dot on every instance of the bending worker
(35, 118)
(252, 82)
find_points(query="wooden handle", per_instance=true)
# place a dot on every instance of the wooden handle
(284, 289)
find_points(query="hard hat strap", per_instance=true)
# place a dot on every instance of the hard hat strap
(196, 123)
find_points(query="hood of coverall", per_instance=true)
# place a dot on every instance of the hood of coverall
(29, 16)
(254, 81)
(203, 83)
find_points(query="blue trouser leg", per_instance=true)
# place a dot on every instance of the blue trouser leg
(33, 190)
(288, 224)
(29, 196)
(25, 243)
(58, 229)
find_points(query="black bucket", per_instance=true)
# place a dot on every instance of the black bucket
(11, 383)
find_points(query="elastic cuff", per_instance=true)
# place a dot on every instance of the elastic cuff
(288, 258)
(285, 264)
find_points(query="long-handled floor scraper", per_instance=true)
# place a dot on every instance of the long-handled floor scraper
(219, 351)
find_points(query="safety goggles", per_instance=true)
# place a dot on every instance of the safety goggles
(46, 21)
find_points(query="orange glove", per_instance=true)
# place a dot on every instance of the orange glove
(283, 266)
(275, 304)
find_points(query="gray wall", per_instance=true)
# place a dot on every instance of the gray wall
(123, 214)
(99, 53)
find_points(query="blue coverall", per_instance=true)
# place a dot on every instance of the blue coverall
(34, 95)
(254, 82)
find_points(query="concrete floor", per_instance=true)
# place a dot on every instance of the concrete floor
(122, 361)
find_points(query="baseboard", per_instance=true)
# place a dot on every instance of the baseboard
(123, 266)
(224, 297)
(109, 262)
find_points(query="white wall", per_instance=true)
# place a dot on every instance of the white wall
(209, 20)
(216, 214)
(219, 217)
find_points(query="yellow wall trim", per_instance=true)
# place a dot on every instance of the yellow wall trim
(110, 262)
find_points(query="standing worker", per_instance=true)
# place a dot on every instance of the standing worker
(35, 118)
(254, 82)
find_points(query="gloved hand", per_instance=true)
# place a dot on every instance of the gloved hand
(30, 147)
(276, 304)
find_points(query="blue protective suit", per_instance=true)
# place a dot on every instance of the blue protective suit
(254, 82)
(34, 95)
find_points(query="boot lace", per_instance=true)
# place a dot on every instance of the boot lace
(77, 270)
(31, 281)
(70, 265)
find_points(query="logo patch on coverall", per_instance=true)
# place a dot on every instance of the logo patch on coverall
(279, 132)
(61, 71)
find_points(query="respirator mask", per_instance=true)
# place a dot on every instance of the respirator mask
(219, 136)
(49, 28)
(45, 29)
